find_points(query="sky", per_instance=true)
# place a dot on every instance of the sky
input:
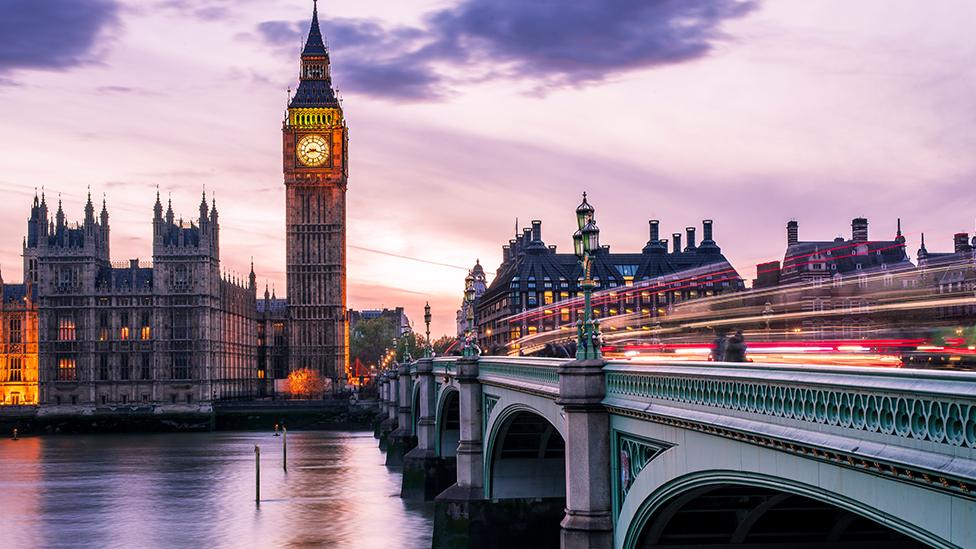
(466, 115)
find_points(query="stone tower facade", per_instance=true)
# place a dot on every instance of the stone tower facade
(315, 162)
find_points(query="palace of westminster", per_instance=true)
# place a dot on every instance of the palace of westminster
(81, 332)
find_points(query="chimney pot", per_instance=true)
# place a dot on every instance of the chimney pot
(655, 230)
(792, 232)
(690, 231)
(536, 230)
(961, 242)
(859, 229)
(706, 230)
(676, 239)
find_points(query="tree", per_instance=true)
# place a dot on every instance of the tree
(306, 383)
(410, 344)
(443, 343)
(371, 339)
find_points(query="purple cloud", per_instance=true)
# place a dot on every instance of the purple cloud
(547, 43)
(53, 35)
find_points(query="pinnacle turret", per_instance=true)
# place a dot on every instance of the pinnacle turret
(89, 210)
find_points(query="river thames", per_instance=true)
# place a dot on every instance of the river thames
(197, 490)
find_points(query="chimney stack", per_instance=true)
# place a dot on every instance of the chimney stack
(690, 231)
(664, 244)
(676, 239)
(536, 230)
(961, 242)
(655, 230)
(707, 230)
(859, 229)
(792, 232)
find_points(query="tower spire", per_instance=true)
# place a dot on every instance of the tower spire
(314, 45)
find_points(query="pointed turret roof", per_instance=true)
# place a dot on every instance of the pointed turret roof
(314, 44)
(315, 88)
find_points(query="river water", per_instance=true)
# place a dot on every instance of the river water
(197, 490)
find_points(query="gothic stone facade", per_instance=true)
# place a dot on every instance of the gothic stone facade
(175, 335)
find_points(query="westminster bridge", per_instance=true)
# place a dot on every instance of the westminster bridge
(549, 452)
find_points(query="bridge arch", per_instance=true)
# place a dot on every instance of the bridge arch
(524, 455)
(755, 510)
(447, 422)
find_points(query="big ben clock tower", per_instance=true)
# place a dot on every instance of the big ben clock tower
(315, 169)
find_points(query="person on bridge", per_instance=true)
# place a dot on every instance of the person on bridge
(719, 347)
(736, 350)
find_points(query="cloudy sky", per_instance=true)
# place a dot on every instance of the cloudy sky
(465, 115)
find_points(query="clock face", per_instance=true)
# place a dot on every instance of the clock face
(313, 150)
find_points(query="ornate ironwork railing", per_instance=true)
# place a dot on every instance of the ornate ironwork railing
(916, 405)
(537, 371)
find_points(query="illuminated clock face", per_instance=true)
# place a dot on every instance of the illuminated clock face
(313, 150)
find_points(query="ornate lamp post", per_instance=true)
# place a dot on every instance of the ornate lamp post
(470, 347)
(428, 349)
(586, 241)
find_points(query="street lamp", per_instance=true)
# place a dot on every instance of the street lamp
(470, 348)
(586, 241)
(428, 350)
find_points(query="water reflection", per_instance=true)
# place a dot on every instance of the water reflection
(197, 490)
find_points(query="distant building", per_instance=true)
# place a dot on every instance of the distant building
(537, 290)
(829, 288)
(807, 260)
(396, 317)
(951, 274)
(477, 273)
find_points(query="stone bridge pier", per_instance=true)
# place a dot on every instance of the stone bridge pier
(426, 473)
(402, 439)
(388, 407)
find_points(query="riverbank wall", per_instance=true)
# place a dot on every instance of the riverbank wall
(245, 415)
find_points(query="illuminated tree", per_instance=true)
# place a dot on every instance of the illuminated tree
(306, 383)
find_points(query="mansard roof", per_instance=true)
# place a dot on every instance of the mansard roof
(533, 261)
(847, 255)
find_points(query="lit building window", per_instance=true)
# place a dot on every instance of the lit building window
(547, 298)
(66, 369)
(124, 333)
(66, 329)
(564, 315)
(15, 334)
(15, 370)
